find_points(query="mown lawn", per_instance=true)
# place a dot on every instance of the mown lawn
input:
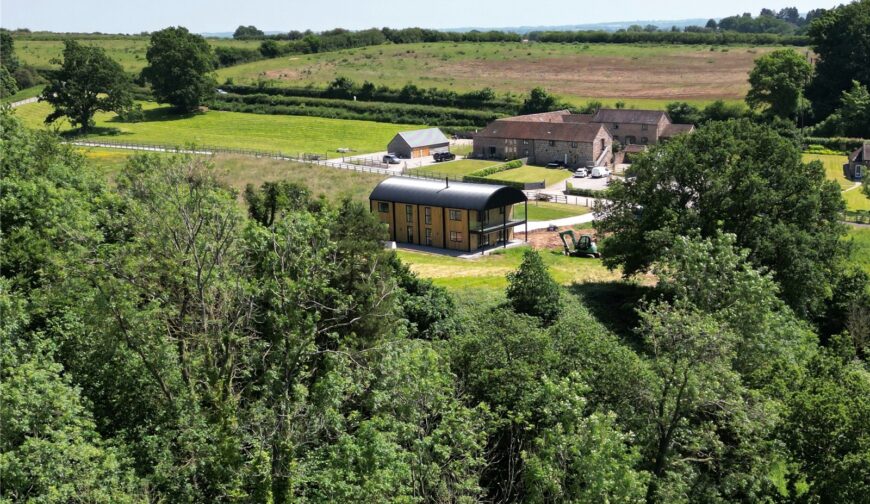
(289, 134)
(23, 94)
(456, 168)
(489, 272)
(547, 211)
(533, 174)
(833, 167)
(855, 199)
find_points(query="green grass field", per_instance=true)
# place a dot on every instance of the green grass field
(291, 134)
(238, 171)
(854, 197)
(489, 272)
(23, 94)
(546, 211)
(642, 75)
(128, 51)
(456, 168)
(532, 174)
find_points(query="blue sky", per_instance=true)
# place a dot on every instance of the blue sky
(133, 16)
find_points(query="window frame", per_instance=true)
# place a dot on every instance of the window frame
(454, 215)
(427, 215)
(383, 207)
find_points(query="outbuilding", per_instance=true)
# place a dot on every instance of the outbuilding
(859, 163)
(445, 214)
(418, 143)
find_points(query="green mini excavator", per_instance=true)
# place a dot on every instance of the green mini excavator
(584, 247)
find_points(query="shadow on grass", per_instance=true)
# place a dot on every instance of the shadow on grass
(94, 131)
(160, 114)
(614, 304)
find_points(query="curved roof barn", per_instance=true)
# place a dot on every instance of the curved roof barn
(462, 195)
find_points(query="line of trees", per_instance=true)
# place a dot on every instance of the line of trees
(668, 37)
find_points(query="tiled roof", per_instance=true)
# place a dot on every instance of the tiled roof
(555, 116)
(531, 130)
(628, 116)
(672, 130)
(861, 153)
(424, 137)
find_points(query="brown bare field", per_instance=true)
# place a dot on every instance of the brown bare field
(639, 74)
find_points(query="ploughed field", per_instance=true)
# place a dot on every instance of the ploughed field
(640, 74)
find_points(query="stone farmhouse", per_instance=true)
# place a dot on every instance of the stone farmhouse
(573, 139)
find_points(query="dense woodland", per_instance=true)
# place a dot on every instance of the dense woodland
(166, 341)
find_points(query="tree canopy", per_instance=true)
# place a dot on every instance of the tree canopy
(180, 68)
(87, 82)
(777, 82)
(738, 177)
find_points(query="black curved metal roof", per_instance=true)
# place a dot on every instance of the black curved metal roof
(438, 193)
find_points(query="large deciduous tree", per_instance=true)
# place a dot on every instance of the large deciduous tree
(180, 66)
(777, 82)
(841, 39)
(741, 178)
(87, 82)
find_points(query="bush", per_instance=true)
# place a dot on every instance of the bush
(491, 170)
(580, 191)
(532, 291)
(27, 76)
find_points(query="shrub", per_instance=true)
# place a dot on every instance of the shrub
(531, 289)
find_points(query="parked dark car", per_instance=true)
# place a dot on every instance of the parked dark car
(391, 159)
(555, 164)
(444, 156)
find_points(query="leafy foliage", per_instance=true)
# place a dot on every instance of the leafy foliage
(88, 81)
(777, 81)
(741, 178)
(180, 66)
(531, 289)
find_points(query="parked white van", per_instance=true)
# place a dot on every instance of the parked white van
(600, 171)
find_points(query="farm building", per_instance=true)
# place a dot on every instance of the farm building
(859, 162)
(544, 138)
(418, 143)
(574, 139)
(643, 127)
(451, 215)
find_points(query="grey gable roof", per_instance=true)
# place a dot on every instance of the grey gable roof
(629, 116)
(423, 137)
(437, 193)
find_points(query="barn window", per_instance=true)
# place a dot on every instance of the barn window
(409, 212)
(455, 215)
(427, 215)
(643, 127)
(410, 234)
(573, 145)
(525, 141)
(428, 236)
(644, 140)
(455, 236)
(552, 143)
(615, 126)
(526, 153)
(383, 207)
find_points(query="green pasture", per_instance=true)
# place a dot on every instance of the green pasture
(290, 134)
(23, 94)
(860, 238)
(128, 51)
